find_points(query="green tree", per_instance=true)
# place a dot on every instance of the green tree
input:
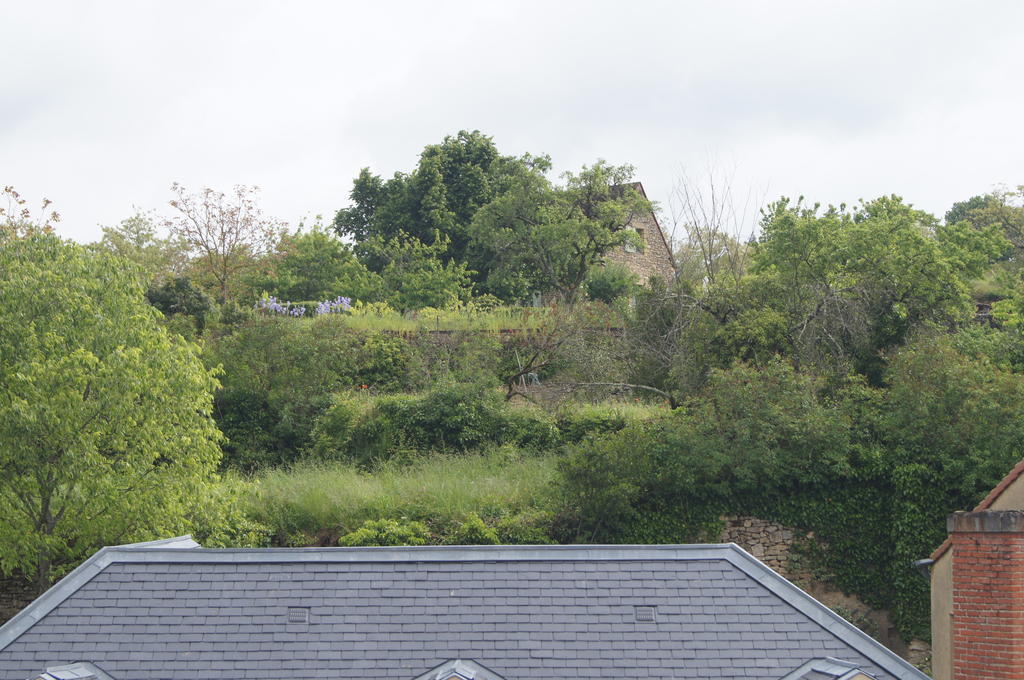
(450, 183)
(105, 417)
(316, 265)
(607, 284)
(226, 235)
(1003, 208)
(852, 282)
(136, 239)
(552, 235)
(179, 296)
(415, 275)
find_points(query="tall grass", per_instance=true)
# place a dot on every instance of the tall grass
(317, 500)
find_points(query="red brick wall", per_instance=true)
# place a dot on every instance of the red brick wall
(988, 595)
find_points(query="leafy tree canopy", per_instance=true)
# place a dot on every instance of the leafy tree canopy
(414, 275)
(1003, 208)
(451, 182)
(317, 265)
(852, 282)
(105, 416)
(137, 240)
(550, 236)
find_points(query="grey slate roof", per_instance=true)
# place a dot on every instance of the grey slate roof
(521, 612)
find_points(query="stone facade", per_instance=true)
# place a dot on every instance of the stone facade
(655, 257)
(15, 594)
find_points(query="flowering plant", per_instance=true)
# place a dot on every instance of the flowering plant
(272, 304)
(269, 303)
(338, 303)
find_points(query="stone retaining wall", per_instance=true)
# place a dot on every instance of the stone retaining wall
(767, 541)
(15, 594)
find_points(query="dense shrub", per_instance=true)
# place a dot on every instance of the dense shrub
(217, 515)
(383, 362)
(179, 296)
(473, 531)
(457, 418)
(530, 527)
(577, 421)
(387, 532)
(279, 375)
(608, 283)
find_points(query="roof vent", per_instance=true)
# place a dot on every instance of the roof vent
(645, 613)
(298, 615)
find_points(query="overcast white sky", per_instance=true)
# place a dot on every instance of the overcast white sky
(104, 104)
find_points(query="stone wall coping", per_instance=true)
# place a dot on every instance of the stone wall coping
(986, 521)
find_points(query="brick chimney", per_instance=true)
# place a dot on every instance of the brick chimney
(988, 594)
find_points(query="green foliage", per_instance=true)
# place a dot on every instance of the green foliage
(383, 361)
(105, 417)
(971, 250)
(414, 275)
(460, 357)
(136, 239)
(473, 531)
(873, 472)
(458, 417)
(577, 421)
(467, 317)
(1002, 209)
(217, 515)
(387, 532)
(530, 527)
(609, 283)
(859, 281)
(315, 265)
(178, 296)
(552, 236)
(451, 182)
(1002, 348)
(280, 373)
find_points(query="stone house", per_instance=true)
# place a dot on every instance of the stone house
(654, 257)
(171, 609)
